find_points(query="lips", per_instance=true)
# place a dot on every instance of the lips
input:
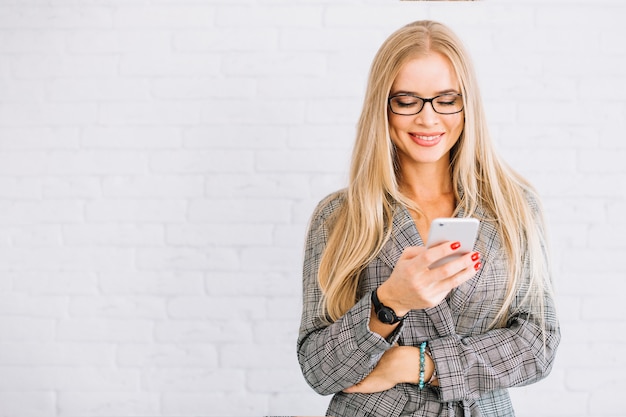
(426, 139)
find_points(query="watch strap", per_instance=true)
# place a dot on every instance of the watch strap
(385, 314)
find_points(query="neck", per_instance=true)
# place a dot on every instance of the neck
(426, 182)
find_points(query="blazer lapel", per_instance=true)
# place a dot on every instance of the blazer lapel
(403, 234)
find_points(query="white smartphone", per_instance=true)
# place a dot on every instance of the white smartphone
(463, 230)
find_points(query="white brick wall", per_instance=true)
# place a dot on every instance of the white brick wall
(159, 160)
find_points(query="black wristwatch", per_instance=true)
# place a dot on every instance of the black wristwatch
(384, 313)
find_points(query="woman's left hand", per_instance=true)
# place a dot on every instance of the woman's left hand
(399, 364)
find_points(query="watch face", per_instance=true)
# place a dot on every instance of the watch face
(386, 315)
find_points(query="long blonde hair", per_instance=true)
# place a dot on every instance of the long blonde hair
(363, 223)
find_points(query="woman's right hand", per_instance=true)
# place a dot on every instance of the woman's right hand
(412, 285)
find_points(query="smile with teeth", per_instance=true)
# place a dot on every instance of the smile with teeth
(428, 138)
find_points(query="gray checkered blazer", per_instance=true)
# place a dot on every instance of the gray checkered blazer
(475, 365)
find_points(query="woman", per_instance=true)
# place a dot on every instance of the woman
(380, 330)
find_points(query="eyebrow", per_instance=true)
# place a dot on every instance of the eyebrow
(437, 93)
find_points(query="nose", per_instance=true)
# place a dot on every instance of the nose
(428, 115)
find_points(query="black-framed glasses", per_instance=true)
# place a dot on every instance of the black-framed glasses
(408, 104)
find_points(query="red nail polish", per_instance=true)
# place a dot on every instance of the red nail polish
(455, 245)
(475, 256)
(477, 266)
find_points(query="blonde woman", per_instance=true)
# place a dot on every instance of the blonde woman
(383, 332)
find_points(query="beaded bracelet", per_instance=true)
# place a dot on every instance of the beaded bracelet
(422, 364)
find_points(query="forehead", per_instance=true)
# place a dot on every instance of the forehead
(426, 75)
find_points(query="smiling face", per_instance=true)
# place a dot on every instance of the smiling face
(426, 137)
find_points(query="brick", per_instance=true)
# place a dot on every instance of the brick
(203, 88)
(604, 308)
(32, 41)
(328, 39)
(150, 113)
(298, 404)
(280, 332)
(273, 64)
(242, 138)
(204, 161)
(267, 185)
(345, 16)
(130, 137)
(192, 380)
(101, 89)
(332, 86)
(139, 211)
(55, 282)
(187, 259)
(25, 212)
(19, 91)
(607, 236)
(29, 404)
(46, 66)
(260, 16)
(104, 404)
(272, 259)
(240, 211)
(20, 188)
(195, 355)
(250, 283)
(25, 329)
(55, 17)
(271, 381)
(317, 137)
(30, 354)
(225, 40)
(127, 235)
(154, 187)
(303, 161)
(105, 330)
(326, 111)
(162, 16)
(68, 379)
(603, 161)
(158, 282)
(39, 138)
(127, 307)
(266, 112)
(168, 65)
(203, 331)
(219, 234)
(95, 163)
(133, 40)
(33, 306)
(213, 403)
(255, 357)
(73, 187)
(220, 308)
(66, 259)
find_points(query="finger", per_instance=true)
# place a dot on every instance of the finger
(442, 250)
(411, 252)
(462, 276)
(352, 389)
(456, 265)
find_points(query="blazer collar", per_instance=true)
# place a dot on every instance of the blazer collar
(403, 234)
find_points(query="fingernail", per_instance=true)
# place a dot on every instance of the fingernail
(475, 256)
(455, 245)
(477, 266)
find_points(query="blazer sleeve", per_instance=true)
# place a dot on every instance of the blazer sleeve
(336, 356)
(518, 354)
(515, 355)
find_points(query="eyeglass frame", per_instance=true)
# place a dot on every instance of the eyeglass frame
(424, 101)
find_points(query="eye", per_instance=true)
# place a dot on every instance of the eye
(406, 101)
(448, 100)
